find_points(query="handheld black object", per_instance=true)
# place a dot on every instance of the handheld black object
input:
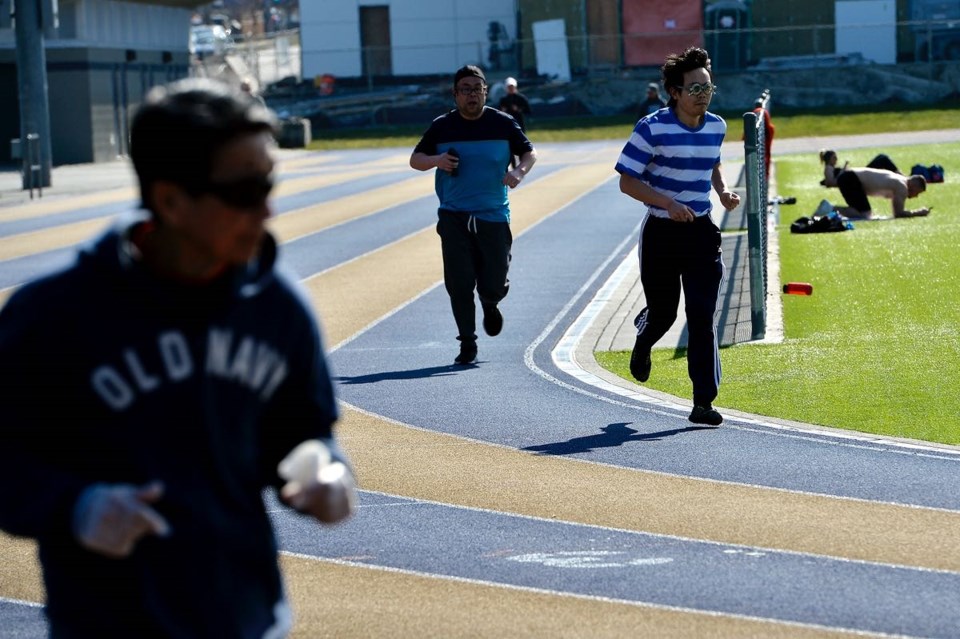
(455, 170)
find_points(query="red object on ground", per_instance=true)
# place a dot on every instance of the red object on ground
(798, 288)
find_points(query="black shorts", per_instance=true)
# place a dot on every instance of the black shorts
(852, 191)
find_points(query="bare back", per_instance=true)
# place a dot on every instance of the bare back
(883, 183)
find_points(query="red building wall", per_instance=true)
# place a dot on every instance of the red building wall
(652, 29)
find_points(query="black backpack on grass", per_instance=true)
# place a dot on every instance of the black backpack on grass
(833, 223)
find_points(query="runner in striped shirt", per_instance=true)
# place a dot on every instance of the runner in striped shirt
(670, 162)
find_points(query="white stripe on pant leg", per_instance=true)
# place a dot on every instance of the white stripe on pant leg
(640, 321)
(716, 321)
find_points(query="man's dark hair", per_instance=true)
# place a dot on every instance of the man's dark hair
(181, 126)
(677, 64)
(469, 71)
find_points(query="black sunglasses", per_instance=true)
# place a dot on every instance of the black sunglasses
(245, 193)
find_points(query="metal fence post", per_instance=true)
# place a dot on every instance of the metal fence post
(755, 172)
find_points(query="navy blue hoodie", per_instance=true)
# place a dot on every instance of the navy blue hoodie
(110, 374)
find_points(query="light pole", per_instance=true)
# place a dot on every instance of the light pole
(32, 17)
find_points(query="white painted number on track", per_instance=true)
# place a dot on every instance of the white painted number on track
(589, 559)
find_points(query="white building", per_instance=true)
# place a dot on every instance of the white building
(356, 38)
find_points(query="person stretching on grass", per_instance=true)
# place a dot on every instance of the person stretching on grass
(856, 184)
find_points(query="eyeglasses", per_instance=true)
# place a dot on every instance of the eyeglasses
(245, 193)
(477, 90)
(697, 89)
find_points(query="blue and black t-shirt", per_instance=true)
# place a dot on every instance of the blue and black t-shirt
(485, 146)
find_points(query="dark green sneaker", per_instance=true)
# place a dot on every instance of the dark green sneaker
(706, 415)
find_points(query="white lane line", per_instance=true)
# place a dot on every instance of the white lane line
(582, 597)
(562, 354)
(21, 602)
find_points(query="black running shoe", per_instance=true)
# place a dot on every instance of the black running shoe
(468, 354)
(492, 320)
(640, 362)
(706, 415)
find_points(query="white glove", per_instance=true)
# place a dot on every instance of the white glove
(317, 484)
(110, 519)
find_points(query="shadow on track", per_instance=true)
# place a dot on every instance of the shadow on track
(416, 373)
(613, 435)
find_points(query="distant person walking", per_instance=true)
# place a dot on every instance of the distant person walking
(471, 148)
(653, 102)
(515, 103)
(670, 163)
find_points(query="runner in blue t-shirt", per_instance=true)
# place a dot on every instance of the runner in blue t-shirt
(670, 163)
(472, 146)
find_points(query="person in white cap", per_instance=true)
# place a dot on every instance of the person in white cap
(514, 103)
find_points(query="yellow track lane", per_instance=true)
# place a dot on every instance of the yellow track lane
(336, 601)
(40, 208)
(62, 236)
(341, 601)
(311, 219)
(393, 458)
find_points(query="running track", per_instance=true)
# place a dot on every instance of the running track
(522, 496)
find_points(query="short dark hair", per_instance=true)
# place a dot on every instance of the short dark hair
(677, 64)
(181, 126)
(469, 71)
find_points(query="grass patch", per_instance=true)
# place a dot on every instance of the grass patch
(876, 348)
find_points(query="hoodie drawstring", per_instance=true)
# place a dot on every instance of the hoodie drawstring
(472, 224)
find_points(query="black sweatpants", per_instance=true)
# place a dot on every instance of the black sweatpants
(883, 162)
(852, 191)
(476, 255)
(688, 254)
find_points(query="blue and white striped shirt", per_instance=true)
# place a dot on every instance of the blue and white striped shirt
(674, 159)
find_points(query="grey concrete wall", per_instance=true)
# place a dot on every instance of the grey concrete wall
(94, 92)
(813, 87)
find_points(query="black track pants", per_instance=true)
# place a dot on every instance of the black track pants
(688, 254)
(476, 255)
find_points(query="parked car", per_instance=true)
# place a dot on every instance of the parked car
(207, 40)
